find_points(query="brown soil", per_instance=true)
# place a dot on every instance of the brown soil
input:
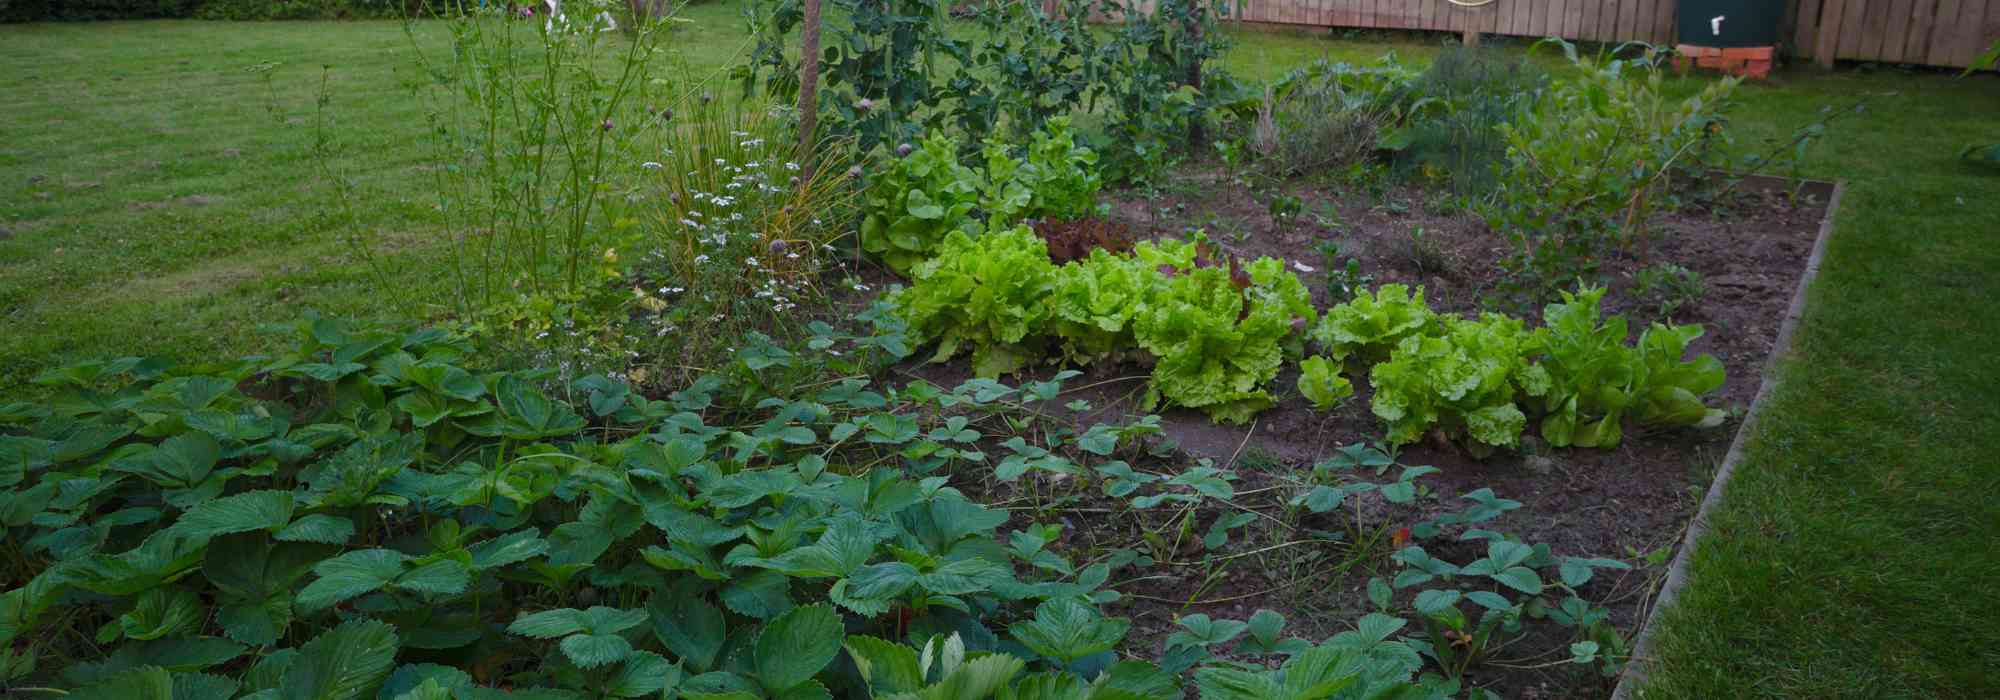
(1623, 503)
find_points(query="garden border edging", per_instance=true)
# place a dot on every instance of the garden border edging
(1781, 347)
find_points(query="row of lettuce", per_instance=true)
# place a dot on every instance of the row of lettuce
(366, 517)
(1216, 330)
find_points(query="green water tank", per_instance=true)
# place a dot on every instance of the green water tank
(1730, 23)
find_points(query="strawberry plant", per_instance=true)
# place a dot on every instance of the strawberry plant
(366, 516)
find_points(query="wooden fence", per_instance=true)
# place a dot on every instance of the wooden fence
(1928, 32)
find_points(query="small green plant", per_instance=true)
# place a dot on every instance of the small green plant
(1668, 288)
(1284, 208)
(1344, 277)
(1327, 215)
(1321, 383)
(1426, 253)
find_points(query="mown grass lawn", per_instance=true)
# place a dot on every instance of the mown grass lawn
(159, 196)
(162, 192)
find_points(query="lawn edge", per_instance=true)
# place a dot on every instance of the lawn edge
(1781, 349)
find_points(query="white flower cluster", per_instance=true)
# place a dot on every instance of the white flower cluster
(732, 256)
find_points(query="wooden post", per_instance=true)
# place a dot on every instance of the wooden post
(1471, 38)
(808, 86)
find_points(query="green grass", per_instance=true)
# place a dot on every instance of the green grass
(154, 203)
(1855, 553)
(160, 197)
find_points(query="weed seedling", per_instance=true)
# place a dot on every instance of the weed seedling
(1425, 253)
(1343, 273)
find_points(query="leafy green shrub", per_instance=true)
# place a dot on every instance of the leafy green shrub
(1373, 323)
(882, 72)
(1461, 382)
(990, 292)
(1317, 125)
(1589, 161)
(1464, 95)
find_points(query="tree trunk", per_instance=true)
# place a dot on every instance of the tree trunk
(808, 85)
(1197, 134)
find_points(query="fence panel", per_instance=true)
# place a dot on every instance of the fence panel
(1932, 32)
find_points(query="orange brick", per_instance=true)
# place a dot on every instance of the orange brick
(1749, 53)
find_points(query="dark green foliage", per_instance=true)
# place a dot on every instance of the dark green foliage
(79, 10)
(1470, 92)
(884, 73)
(369, 476)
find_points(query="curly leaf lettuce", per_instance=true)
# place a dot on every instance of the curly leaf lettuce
(989, 292)
(1462, 383)
(1373, 323)
(1594, 377)
(1095, 301)
(1218, 344)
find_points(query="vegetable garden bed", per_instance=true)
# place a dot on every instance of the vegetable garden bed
(1633, 501)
